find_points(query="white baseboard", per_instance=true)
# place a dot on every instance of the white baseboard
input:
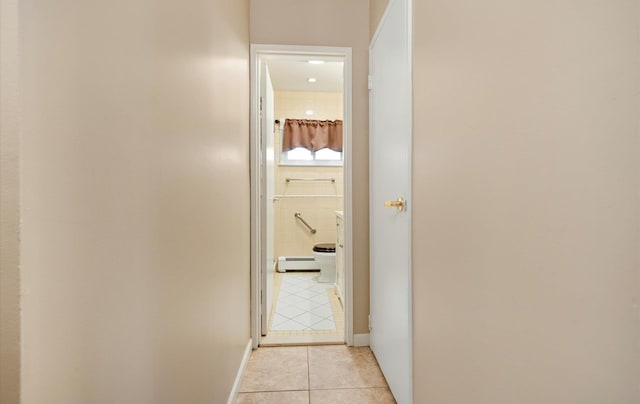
(243, 365)
(360, 339)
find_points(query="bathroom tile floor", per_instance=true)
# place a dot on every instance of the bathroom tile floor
(304, 312)
(317, 374)
(303, 304)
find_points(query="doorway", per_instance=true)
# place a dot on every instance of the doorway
(301, 195)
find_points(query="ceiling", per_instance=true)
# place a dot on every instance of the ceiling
(291, 73)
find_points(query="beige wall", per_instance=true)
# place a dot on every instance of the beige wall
(376, 11)
(293, 104)
(291, 237)
(526, 179)
(135, 265)
(9, 204)
(349, 27)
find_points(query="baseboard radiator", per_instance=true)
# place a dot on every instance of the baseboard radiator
(297, 264)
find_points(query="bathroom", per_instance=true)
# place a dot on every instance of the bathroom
(306, 191)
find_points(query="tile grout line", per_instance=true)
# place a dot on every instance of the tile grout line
(351, 388)
(321, 391)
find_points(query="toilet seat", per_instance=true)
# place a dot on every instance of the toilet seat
(325, 248)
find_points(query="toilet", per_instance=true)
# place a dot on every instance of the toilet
(325, 256)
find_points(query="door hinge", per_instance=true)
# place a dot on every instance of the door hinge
(370, 82)
(369, 317)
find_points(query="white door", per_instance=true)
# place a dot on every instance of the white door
(266, 195)
(390, 179)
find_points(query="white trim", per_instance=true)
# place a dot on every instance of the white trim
(233, 395)
(257, 51)
(409, 34)
(348, 198)
(361, 340)
(254, 147)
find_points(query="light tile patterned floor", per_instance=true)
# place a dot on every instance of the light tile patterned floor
(304, 312)
(319, 374)
(303, 304)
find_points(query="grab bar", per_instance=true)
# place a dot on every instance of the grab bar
(299, 217)
(333, 180)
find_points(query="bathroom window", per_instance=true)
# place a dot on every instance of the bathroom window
(309, 142)
(303, 157)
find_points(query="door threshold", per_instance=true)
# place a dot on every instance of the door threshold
(292, 340)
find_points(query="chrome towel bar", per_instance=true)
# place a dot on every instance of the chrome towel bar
(278, 197)
(333, 180)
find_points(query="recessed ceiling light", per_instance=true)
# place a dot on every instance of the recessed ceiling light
(312, 79)
(308, 112)
(316, 62)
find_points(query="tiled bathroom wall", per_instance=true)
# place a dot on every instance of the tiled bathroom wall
(316, 201)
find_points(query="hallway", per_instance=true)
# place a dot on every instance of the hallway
(313, 375)
(128, 264)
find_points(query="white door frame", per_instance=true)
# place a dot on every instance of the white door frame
(257, 51)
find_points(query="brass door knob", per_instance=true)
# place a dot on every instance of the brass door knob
(398, 203)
